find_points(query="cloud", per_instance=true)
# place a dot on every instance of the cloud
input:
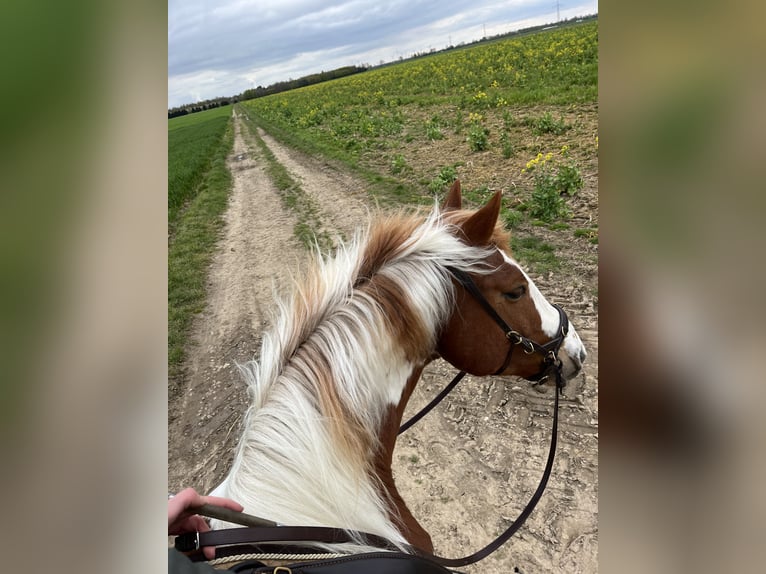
(223, 48)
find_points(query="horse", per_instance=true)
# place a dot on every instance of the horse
(347, 348)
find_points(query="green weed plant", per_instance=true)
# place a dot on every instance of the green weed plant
(554, 178)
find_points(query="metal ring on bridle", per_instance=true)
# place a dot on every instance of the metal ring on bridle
(529, 348)
(514, 336)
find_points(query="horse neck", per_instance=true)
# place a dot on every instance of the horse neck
(389, 430)
(283, 438)
(335, 374)
(399, 513)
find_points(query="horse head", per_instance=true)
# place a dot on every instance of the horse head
(473, 339)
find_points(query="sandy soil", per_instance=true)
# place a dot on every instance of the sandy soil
(468, 468)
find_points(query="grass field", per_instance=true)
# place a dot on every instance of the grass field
(192, 142)
(198, 188)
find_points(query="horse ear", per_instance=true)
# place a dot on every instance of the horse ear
(479, 227)
(454, 197)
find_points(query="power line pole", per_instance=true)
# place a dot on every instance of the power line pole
(558, 16)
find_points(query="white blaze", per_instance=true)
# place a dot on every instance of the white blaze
(549, 317)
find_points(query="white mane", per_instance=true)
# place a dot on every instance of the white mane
(329, 370)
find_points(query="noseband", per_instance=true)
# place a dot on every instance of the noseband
(549, 351)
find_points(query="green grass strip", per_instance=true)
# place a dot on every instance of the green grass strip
(191, 250)
(192, 144)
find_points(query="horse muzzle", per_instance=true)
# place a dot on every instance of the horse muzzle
(572, 355)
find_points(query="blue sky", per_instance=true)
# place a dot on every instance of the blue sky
(223, 47)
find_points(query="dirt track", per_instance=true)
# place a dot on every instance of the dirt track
(466, 470)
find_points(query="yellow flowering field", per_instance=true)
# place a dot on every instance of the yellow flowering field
(478, 113)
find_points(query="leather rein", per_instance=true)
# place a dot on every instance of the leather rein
(265, 531)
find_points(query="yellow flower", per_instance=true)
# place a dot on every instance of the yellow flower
(532, 163)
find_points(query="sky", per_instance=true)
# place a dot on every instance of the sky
(223, 47)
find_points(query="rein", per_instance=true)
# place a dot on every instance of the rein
(261, 530)
(193, 541)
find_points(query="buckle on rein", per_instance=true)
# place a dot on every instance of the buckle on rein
(188, 542)
(554, 366)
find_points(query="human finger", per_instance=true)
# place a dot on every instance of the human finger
(224, 502)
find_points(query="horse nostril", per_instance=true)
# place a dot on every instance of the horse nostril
(583, 355)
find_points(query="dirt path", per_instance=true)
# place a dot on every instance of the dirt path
(467, 469)
(254, 254)
(341, 198)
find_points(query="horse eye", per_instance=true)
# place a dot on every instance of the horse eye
(516, 294)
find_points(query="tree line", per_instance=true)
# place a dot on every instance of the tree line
(284, 86)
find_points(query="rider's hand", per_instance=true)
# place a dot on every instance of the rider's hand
(182, 518)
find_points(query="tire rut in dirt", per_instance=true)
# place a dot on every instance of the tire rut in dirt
(340, 198)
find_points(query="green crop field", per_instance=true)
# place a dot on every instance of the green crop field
(192, 141)
(198, 188)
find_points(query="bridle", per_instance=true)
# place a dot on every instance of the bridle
(264, 531)
(551, 363)
(548, 350)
